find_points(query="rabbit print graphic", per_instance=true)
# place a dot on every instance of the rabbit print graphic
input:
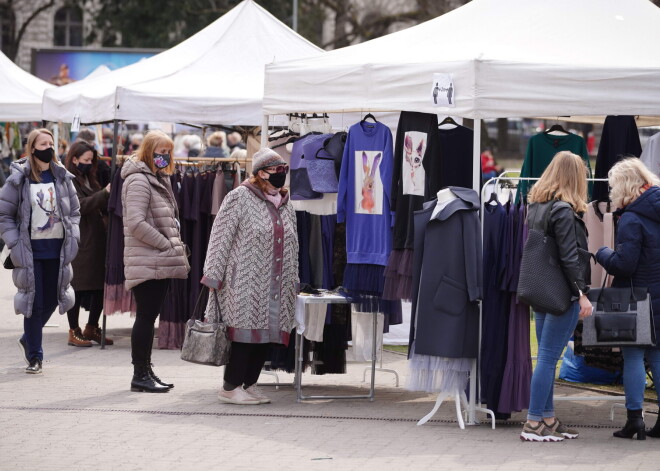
(368, 185)
(46, 222)
(413, 174)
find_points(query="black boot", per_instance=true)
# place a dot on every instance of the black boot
(634, 426)
(157, 379)
(143, 382)
(655, 431)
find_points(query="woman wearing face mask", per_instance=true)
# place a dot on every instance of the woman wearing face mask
(39, 217)
(88, 279)
(252, 267)
(153, 251)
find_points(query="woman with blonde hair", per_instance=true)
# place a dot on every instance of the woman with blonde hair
(635, 192)
(153, 251)
(39, 222)
(557, 202)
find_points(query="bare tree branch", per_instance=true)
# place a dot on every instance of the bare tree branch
(26, 23)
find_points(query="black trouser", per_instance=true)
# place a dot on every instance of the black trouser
(245, 363)
(149, 297)
(95, 308)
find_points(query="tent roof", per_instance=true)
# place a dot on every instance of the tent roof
(20, 92)
(508, 58)
(204, 79)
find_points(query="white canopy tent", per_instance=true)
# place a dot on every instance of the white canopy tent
(214, 77)
(20, 92)
(507, 58)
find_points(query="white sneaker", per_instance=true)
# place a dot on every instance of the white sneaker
(257, 393)
(237, 396)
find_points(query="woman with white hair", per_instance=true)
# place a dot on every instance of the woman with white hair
(635, 192)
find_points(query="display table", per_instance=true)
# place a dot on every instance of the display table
(301, 323)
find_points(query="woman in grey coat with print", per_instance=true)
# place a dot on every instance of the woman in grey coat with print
(39, 219)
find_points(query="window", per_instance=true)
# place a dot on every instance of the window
(68, 27)
(7, 27)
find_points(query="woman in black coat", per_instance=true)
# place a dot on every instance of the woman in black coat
(88, 266)
(636, 258)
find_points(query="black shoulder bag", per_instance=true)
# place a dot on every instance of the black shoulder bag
(542, 283)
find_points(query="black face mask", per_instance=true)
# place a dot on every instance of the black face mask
(85, 168)
(277, 179)
(45, 155)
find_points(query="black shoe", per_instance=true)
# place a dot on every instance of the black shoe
(634, 426)
(655, 431)
(23, 346)
(143, 382)
(34, 367)
(157, 379)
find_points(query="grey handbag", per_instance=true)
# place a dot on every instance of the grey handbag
(206, 343)
(542, 283)
(621, 317)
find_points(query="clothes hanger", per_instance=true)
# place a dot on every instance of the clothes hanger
(367, 116)
(557, 128)
(493, 198)
(448, 120)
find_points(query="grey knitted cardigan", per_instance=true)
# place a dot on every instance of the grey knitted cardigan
(252, 260)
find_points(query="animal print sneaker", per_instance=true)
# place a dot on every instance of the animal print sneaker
(540, 433)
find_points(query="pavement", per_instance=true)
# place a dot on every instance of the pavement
(80, 414)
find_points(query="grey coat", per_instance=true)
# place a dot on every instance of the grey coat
(153, 249)
(15, 215)
(447, 278)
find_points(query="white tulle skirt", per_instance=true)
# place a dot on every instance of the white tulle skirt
(437, 374)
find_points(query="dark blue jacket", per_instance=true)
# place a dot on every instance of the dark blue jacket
(637, 252)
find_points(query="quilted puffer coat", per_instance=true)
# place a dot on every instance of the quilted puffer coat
(252, 261)
(15, 216)
(153, 249)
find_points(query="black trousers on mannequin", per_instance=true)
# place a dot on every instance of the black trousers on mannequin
(246, 361)
(149, 297)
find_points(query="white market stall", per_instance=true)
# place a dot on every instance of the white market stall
(20, 92)
(213, 77)
(505, 59)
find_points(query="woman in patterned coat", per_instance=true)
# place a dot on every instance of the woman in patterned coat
(252, 268)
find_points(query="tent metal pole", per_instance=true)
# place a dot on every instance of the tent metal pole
(476, 156)
(264, 132)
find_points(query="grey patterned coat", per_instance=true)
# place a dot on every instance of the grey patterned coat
(153, 249)
(15, 216)
(252, 260)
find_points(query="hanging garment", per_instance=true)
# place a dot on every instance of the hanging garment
(651, 154)
(620, 138)
(496, 302)
(116, 298)
(540, 151)
(447, 278)
(455, 151)
(416, 145)
(600, 227)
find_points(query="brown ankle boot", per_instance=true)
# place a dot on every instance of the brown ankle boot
(93, 332)
(76, 338)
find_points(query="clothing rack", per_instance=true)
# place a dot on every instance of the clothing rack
(475, 381)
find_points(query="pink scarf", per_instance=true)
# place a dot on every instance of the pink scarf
(276, 198)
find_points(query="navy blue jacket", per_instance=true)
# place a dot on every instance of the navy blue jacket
(637, 252)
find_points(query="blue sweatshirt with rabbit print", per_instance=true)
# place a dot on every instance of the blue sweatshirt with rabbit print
(363, 199)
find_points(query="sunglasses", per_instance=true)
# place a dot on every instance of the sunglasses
(278, 169)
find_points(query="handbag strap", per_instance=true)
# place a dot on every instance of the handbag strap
(602, 289)
(214, 293)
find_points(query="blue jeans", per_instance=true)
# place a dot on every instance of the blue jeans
(46, 273)
(552, 333)
(634, 373)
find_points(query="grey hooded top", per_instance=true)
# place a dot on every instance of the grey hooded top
(15, 215)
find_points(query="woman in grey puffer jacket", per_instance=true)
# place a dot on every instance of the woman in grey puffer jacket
(39, 218)
(153, 250)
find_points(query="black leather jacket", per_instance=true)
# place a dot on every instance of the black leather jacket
(570, 233)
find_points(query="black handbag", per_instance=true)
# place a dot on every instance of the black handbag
(6, 258)
(542, 283)
(621, 317)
